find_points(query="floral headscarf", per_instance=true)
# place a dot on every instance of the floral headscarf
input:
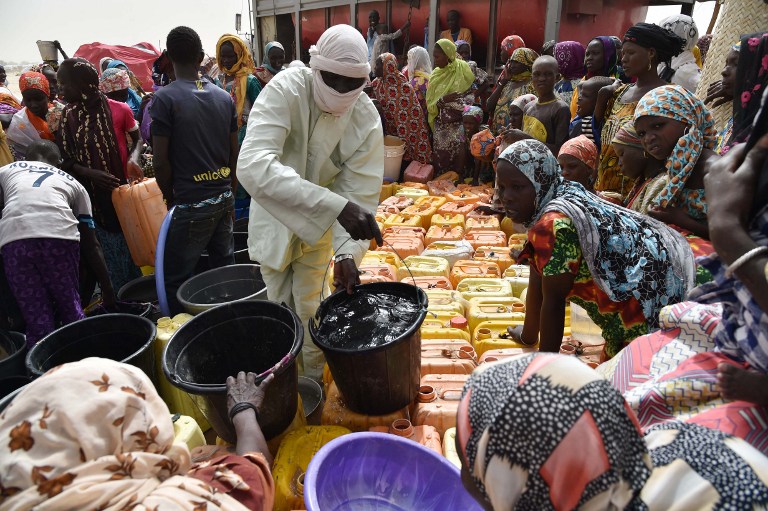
(511, 43)
(455, 77)
(583, 149)
(534, 438)
(570, 59)
(242, 67)
(521, 101)
(629, 255)
(32, 80)
(474, 111)
(95, 434)
(627, 136)
(527, 57)
(676, 102)
(113, 79)
(544, 431)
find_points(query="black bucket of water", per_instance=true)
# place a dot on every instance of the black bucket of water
(122, 337)
(257, 336)
(141, 290)
(241, 252)
(222, 285)
(13, 354)
(372, 343)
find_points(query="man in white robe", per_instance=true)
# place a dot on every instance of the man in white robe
(313, 161)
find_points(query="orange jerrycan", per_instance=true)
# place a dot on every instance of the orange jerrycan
(399, 202)
(424, 435)
(377, 273)
(467, 269)
(404, 230)
(484, 223)
(486, 239)
(444, 233)
(141, 211)
(337, 413)
(464, 196)
(447, 356)
(438, 400)
(456, 208)
(423, 210)
(440, 187)
(498, 255)
(402, 246)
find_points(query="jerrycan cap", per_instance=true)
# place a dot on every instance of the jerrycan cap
(459, 322)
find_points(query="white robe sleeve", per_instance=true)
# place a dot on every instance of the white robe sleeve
(305, 208)
(360, 179)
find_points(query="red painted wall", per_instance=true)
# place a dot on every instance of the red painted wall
(522, 17)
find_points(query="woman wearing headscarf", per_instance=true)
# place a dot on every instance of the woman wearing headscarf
(578, 163)
(88, 140)
(508, 45)
(95, 434)
(402, 112)
(274, 58)
(715, 344)
(570, 60)
(482, 82)
(722, 92)
(448, 92)
(678, 129)
(419, 71)
(645, 47)
(683, 69)
(513, 82)
(135, 91)
(30, 123)
(530, 437)
(600, 59)
(648, 173)
(236, 64)
(622, 267)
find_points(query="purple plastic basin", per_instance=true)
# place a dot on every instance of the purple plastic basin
(381, 472)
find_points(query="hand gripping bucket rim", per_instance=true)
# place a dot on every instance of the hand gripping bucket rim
(221, 388)
(314, 322)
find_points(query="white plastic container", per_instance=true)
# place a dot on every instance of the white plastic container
(394, 149)
(451, 251)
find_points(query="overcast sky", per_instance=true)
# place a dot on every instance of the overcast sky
(76, 22)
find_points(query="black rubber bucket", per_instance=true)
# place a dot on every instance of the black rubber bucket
(141, 290)
(257, 336)
(383, 379)
(122, 337)
(241, 251)
(14, 345)
(222, 285)
(9, 388)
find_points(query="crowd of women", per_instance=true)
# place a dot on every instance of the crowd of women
(613, 165)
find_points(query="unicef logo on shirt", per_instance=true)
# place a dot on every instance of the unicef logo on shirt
(222, 173)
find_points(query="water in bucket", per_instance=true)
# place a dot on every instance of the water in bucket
(367, 320)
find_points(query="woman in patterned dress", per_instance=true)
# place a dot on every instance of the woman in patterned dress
(621, 266)
(95, 434)
(546, 432)
(513, 82)
(402, 113)
(449, 91)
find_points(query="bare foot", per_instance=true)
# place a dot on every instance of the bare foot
(737, 384)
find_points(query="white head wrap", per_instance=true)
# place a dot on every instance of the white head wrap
(521, 101)
(684, 26)
(296, 63)
(343, 51)
(418, 60)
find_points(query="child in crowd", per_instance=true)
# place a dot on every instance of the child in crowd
(578, 163)
(195, 144)
(648, 173)
(547, 118)
(46, 220)
(582, 123)
(472, 119)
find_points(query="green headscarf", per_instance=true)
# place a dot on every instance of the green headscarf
(455, 77)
